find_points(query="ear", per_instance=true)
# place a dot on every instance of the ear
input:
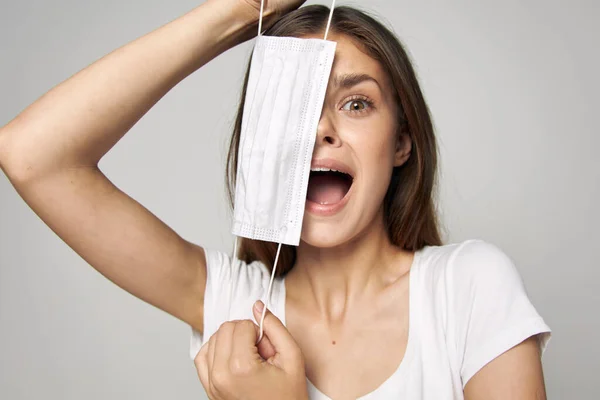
(403, 146)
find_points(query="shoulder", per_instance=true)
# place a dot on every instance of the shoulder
(223, 268)
(483, 299)
(474, 256)
(232, 286)
(474, 263)
(470, 253)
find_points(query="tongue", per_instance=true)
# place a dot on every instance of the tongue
(326, 189)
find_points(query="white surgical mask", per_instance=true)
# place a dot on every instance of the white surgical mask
(286, 89)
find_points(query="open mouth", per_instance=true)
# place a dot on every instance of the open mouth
(328, 186)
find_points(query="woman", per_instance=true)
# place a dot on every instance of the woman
(369, 304)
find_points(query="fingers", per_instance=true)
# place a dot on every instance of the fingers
(265, 348)
(244, 354)
(230, 366)
(231, 357)
(223, 345)
(201, 362)
(210, 357)
(212, 360)
(281, 340)
(229, 354)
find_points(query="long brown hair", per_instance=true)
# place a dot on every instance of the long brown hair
(409, 209)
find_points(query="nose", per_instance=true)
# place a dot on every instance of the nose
(326, 133)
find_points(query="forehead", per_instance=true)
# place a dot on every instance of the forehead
(351, 59)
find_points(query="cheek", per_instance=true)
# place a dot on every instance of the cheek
(377, 151)
(375, 155)
(373, 142)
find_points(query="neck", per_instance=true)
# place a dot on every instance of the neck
(334, 279)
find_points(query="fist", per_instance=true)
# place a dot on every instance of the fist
(232, 366)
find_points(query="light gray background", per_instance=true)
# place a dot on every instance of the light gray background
(513, 90)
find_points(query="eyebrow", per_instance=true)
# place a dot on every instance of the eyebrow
(346, 81)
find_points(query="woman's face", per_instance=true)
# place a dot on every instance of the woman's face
(357, 134)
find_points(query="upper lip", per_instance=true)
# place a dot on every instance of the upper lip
(331, 164)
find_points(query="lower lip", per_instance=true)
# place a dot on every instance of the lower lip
(328, 209)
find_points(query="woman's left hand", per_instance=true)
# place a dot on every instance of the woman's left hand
(232, 366)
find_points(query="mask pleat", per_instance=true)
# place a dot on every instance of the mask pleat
(265, 149)
(253, 144)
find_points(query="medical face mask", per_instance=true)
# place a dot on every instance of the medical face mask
(286, 88)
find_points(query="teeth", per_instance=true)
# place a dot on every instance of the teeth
(320, 169)
(324, 169)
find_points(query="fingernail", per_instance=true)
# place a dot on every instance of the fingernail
(259, 305)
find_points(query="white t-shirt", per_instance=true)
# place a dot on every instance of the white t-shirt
(467, 306)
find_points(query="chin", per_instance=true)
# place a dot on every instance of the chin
(324, 234)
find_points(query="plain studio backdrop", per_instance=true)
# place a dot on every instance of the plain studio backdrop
(513, 90)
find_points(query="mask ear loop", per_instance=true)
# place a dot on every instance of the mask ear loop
(268, 297)
(267, 300)
(235, 245)
(262, 4)
(329, 20)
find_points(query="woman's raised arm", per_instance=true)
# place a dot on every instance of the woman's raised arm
(50, 153)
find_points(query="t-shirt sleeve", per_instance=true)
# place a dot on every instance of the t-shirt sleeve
(492, 311)
(232, 287)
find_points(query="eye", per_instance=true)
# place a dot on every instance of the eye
(357, 104)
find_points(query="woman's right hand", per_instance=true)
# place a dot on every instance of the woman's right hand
(232, 366)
